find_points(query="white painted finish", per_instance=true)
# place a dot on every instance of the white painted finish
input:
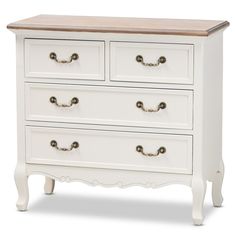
(207, 137)
(89, 66)
(132, 129)
(49, 185)
(109, 177)
(206, 127)
(212, 105)
(20, 175)
(217, 197)
(178, 67)
(107, 149)
(21, 180)
(199, 191)
(109, 106)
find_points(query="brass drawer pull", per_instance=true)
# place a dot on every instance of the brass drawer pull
(161, 106)
(73, 57)
(74, 145)
(161, 150)
(161, 60)
(73, 101)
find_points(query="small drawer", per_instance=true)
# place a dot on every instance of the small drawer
(159, 108)
(109, 149)
(151, 63)
(64, 59)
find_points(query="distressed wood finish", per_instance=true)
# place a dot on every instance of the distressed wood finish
(120, 25)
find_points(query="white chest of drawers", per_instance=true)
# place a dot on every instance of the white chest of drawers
(120, 102)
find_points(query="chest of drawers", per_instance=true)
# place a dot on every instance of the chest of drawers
(120, 102)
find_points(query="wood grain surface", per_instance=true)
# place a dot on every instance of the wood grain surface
(119, 25)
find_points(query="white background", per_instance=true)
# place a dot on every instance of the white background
(77, 209)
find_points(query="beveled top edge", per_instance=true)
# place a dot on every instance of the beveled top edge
(119, 25)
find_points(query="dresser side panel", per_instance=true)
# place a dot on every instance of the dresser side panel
(212, 106)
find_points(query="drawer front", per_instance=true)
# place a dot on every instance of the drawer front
(64, 59)
(152, 63)
(109, 106)
(109, 149)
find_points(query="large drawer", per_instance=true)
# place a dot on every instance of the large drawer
(64, 59)
(151, 62)
(109, 106)
(109, 149)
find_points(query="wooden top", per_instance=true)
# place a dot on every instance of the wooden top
(119, 25)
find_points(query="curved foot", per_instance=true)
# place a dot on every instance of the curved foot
(198, 190)
(49, 185)
(217, 198)
(21, 180)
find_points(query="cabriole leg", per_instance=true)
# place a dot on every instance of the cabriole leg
(49, 185)
(21, 180)
(217, 198)
(198, 190)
